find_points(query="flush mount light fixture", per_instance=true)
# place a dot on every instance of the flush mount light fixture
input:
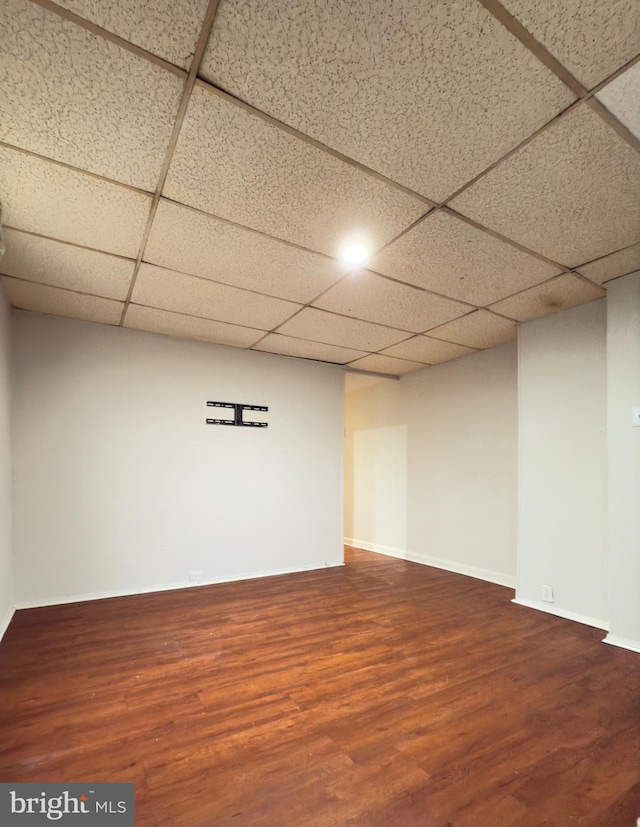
(354, 252)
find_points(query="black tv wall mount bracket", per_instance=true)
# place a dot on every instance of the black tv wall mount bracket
(238, 409)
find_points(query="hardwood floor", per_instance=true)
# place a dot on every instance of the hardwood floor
(379, 694)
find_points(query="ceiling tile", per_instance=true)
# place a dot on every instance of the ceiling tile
(558, 294)
(169, 290)
(610, 267)
(570, 194)
(480, 329)
(162, 27)
(288, 346)
(427, 350)
(427, 99)
(63, 265)
(192, 242)
(622, 95)
(365, 295)
(385, 364)
(46, 198)
(320, 326)
(236, 165)
(449, 256)
(44, 299)
(590, 38)
(190, 327)
(75, 97)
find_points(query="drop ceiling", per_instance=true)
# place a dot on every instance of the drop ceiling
(193, 169)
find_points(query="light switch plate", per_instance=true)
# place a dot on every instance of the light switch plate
(635, 417)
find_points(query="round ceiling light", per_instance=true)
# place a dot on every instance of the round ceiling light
(355, 254)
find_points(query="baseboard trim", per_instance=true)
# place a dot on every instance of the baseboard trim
(623, 642)
(6, 620)
(550, 609)
(168, 587)
(438, 563)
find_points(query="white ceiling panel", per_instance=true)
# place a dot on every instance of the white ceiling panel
(45, 261)
(169, 290)
(622, 97)
(162, 27)
(199, 244)
(558, 294)
(571, 194)
(377, 363)
(320, 326)
(611, 267)
(428, 94)
(189, 327)
(234, 164)
(591, 38)
(365, 295)
(480, 329)
(288, 346)
(46, 198)
(41, 298)
(449, 256)
(113, 111)
(427, 350)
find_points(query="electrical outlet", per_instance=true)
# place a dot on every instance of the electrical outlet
(195, 576)
(547, 594)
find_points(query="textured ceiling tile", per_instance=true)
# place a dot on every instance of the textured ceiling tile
(385, 364)
(429, 94)
(162, 27)
(480, 329)
(610, 267)
(570, 194)
(168, 290)
(63, 265)
(236, 165)
(591, 38)
(622, 95)
(73, 96)
(288, 346)
(45, 198)
(320, 326)
(182, 239)
(558, 294)
(44, 299)
(365, 295)
(449, 256)
(190, 327)
(427, 350)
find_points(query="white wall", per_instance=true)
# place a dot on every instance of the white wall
(6, 568)
(121, 487)
(623, 379)
(563, 463)
(430, 469)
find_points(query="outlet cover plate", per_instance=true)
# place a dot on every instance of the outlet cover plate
(547, 594)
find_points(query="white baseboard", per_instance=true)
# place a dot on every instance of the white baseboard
(6, 620)
(551, 609)
(438, 563)
(166, 587)
(623, 642)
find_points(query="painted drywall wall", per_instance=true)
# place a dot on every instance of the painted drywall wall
(563, 463)
(6, 566)
(121, 487)
(623, 395)
(430, 465)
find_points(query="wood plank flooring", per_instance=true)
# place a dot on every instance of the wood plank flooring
(380, 694)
